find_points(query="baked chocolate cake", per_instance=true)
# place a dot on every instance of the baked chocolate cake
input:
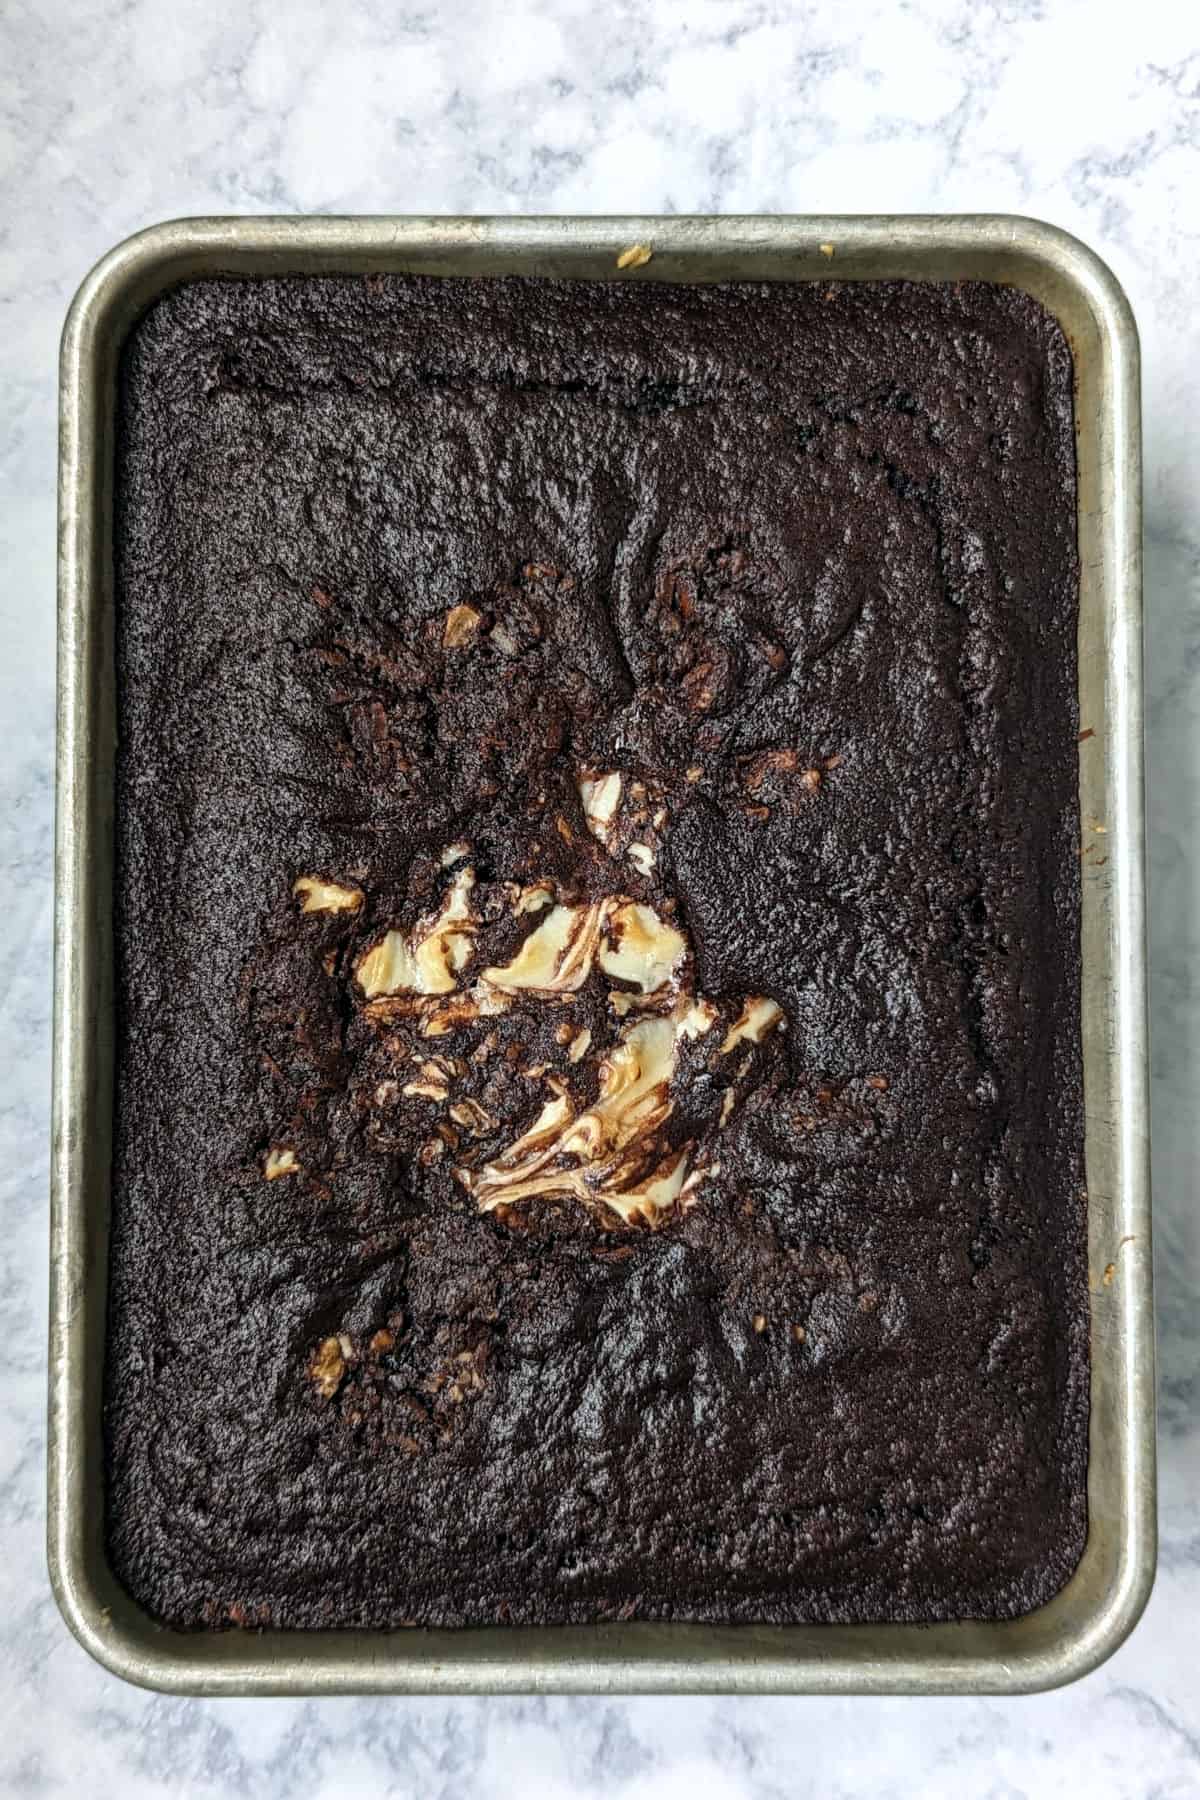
(599, 1109)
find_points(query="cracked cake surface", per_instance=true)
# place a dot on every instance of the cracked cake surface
(598, 1095)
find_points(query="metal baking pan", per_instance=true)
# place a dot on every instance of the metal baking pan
(1093, 1613)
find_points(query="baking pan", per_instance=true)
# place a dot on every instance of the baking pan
(1088, 1619)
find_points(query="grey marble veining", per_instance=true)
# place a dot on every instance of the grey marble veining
(114, 113)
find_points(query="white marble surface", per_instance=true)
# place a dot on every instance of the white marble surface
(114, 113)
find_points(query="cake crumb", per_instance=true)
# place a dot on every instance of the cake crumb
(636, 257)
(825, 249)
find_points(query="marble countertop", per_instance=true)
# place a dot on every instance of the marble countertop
(116, 113)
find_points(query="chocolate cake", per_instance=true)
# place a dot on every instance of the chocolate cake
(598, 1100)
